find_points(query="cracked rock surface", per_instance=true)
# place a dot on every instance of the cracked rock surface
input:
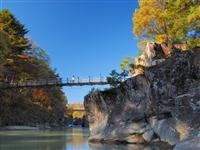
(161, 105)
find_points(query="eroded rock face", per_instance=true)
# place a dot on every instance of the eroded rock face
(189, 144)
(163, 104)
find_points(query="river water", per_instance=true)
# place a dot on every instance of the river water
(71, 139)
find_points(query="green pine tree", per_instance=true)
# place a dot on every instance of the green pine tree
(15, 31)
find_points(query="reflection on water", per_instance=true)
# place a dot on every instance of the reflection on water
(72, 139)
(77, 140)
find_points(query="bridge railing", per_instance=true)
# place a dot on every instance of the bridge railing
(56, 81)
(73, 81)
(85, 79)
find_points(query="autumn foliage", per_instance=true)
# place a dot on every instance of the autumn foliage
(168, 21)
(21, 60)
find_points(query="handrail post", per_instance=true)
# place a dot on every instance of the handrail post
(100, 78)
(89, 79)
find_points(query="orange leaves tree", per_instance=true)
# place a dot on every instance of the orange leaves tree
(168, 21)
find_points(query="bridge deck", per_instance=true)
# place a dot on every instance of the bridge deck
(49, 82)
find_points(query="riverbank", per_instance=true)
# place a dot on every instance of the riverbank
(39, 128)
(23, 128)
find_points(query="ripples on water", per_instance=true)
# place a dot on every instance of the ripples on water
(72, 139)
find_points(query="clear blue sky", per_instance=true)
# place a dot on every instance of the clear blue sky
(81, 37)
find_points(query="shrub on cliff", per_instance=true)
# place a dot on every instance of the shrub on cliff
(116, 78)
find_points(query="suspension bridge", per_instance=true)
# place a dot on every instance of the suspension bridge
(74, 81)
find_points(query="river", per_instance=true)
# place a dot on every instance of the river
(71, 139)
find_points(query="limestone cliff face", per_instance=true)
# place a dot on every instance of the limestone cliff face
(163, 104)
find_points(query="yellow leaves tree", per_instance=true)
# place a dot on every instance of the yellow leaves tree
(75, 110)
(148, 21)
(168, 21)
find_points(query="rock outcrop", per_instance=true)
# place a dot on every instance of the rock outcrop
(163, 104)
(154, 54)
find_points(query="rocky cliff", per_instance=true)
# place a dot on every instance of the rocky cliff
(163, 104)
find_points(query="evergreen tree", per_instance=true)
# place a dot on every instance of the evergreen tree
(15, 31)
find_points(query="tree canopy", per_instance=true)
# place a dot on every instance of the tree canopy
(168, 21)
(21, 60)
(15, 31)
